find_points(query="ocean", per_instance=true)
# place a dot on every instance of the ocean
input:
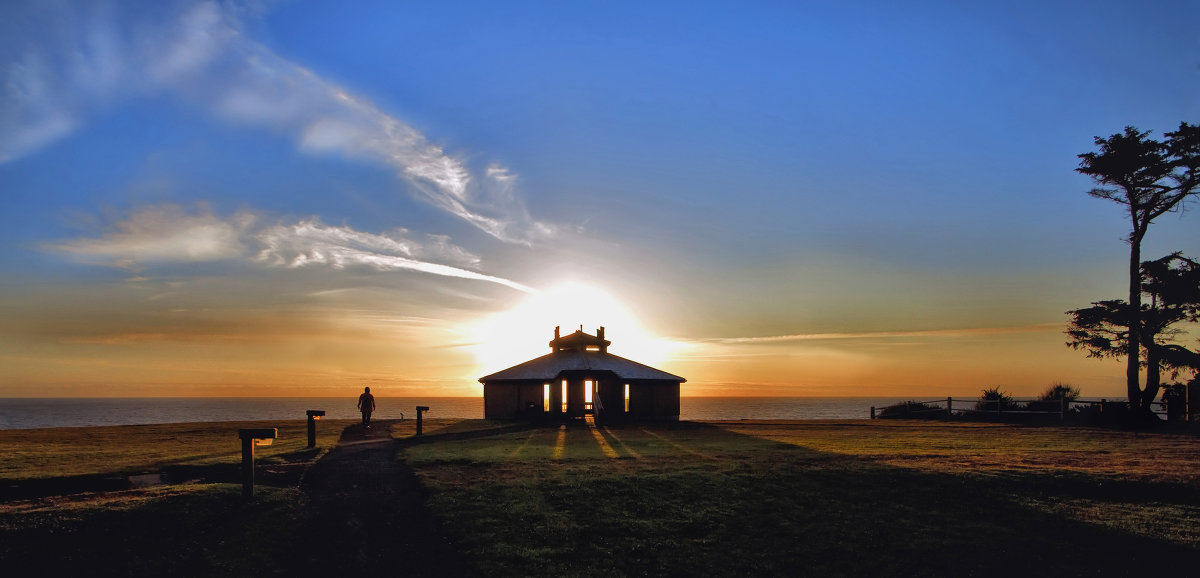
(28, 413)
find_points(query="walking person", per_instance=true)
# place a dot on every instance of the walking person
(366, 404)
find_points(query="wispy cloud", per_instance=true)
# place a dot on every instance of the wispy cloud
(96, 54)
(310, 243)
(164, 234)
(170, 234)
(946, 333)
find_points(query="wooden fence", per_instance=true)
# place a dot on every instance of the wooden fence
(947, 407)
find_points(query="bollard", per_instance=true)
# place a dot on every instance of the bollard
(313, 416)
(250, 438)
(420, 410)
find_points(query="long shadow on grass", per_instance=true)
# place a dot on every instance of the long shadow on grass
(364, 513)
(701, 500)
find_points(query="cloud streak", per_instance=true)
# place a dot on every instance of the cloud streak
(199, 52)
(947, 333)
(170, 234)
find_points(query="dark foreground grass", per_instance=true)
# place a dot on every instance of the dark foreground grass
(727, 500)
(746, 498)
(181, 530)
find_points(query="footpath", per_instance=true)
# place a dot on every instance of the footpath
(366, 512)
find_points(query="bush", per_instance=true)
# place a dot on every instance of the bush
(994, 399)
(1052, 399)
(1059, 391)
(911, 409)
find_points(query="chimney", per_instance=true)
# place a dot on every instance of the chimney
(600, 334)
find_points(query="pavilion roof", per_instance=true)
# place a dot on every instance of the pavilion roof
(549, 366)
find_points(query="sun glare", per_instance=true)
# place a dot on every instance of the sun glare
(510, 337)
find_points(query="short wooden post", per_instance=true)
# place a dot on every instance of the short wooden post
(420, 409)
(949, 407)
(1062, 408)
(249, 437)
(313, 416)
(247, 467)
(872, 412)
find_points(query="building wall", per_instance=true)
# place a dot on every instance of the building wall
(654, 400)
(648, 400)
(507, 400)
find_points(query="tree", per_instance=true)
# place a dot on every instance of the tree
(1172, 288)
(1149, 178)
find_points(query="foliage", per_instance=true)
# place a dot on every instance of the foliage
(1051, 400)
(1172, 288)
(911, 409)
(993, 399)
(1059, 390)
(1149, 178)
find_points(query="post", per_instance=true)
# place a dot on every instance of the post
(420, 409)
(872, 412)
(1062, 408)
(247, 467)
(249, 437)
(1193, 400)
(949, 407)
(313, 416)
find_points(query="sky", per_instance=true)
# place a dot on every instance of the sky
(301, 198)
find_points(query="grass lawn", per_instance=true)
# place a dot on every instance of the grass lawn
(123, 450)
(186, 529)
(816, 498)
(886, 497)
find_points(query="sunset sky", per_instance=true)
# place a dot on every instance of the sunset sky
(299, 198)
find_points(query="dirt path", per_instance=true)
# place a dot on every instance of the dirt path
(366, 512)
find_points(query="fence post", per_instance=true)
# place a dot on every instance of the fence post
(872, 412)
(949, 406)
(1193, 400)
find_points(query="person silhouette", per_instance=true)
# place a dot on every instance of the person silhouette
(366, 404)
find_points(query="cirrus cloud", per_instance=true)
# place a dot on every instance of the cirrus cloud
(170, 234)
(97, 53)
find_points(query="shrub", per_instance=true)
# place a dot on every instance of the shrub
(1058, 391)
(911, 409)
(1052, 399)
(993, 399)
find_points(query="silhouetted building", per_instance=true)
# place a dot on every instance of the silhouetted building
(580, 377)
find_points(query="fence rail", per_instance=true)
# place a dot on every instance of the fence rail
(1011, 406)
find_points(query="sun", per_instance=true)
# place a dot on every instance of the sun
(510, 337)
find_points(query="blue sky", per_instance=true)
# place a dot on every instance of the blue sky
(827, 198)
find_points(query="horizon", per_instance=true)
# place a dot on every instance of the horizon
(230, 199)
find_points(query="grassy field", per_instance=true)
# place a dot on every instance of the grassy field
(124, 450)
(738, 498)
(811, 498)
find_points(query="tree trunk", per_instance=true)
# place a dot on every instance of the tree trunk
(1133, 351)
